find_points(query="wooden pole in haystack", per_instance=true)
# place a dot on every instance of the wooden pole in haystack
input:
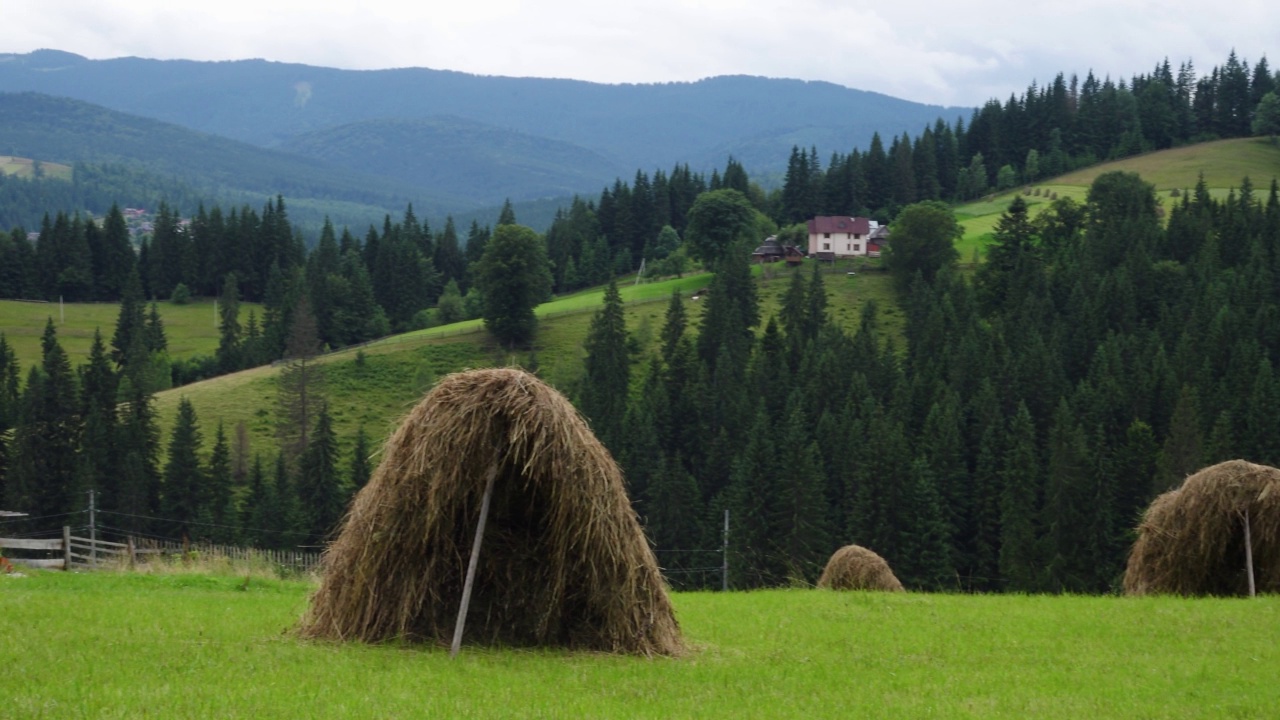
(1248, 555)
(471, 565)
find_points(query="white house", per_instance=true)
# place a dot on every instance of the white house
(836, 237)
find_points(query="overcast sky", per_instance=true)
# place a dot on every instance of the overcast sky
(943, 52)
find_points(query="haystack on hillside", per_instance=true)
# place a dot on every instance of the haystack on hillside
(1191, 540)
(854, 567)
(564, 561)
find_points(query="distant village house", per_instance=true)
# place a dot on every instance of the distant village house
(774, 251)
(833, 237)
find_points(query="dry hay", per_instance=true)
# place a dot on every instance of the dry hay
(1191, 539)
(564, 561)
(854, 567)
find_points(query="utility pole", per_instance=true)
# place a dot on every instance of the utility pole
(724, 580)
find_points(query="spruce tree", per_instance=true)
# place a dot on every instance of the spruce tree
(1019, 506)
(607, 371)
(750, 498)
(319, 485)
(360, 470)
(230, 353)
(259, 512)
(1180, 455)
(672, 520)
(802, 537)
(99, 449)
(45, 465)
(301, 383)
(9, 397)
(923, 549)
(219, 513)
(1069, 503)
(131, 319)
(138, 489)
(184, 489)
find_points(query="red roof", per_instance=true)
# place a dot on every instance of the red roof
(829, 224)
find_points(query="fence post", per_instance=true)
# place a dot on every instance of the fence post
(724, 580)
(131, 549)
(93, 533)
(66, 548)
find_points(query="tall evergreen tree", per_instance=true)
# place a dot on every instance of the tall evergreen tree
(219, 514)
(319, 482)
(360, 470)
(301, 383)
(184, 489)
(1020, 506)
(607, 370)
(230, 352)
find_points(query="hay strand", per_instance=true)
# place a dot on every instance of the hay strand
(1193, 540)
(566, 562)
(854, 567)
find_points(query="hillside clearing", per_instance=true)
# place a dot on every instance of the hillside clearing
(189, 328)
(1224, 163)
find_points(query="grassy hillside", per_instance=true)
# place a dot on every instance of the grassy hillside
(187, 646)
(1224, 164)
(375, 385)
(27, 168)
(190, 328)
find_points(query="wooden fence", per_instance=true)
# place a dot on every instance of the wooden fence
(75, 552)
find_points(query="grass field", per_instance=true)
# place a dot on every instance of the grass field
(25, 168)
(1224, 164)
(114, 645)
(189, 328)
(377, 384)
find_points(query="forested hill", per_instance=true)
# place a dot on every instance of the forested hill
(654, 125)
(471, 161)
(70, 131)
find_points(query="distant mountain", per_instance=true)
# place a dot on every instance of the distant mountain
(642, 126)
(69, 131)
(460, 157)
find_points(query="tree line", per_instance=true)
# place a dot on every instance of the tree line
(65, 433)
(1046, 131)
(1038, 405)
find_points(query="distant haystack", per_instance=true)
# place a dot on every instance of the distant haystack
(564, 561)
(1192, 540)
(854, 567)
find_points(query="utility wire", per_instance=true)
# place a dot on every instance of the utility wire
(42, 517)
(194, 522)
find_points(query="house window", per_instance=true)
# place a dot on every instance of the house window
(857, 248)
(858, 236)
(826, 246)
(846, 247)
(826, 236)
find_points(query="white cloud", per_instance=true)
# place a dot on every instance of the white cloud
(946, 53)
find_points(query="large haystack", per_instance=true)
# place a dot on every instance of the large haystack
(854, 567)
(1191, 540)
(564, 561)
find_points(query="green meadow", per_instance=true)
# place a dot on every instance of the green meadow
(26, 168)
(1224, 164)
(189, 328)
(375, 385)
(118, 645)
